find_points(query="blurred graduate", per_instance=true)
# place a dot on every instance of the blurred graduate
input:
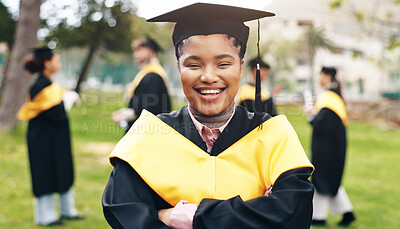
(149, 88)
(49, 142)
(210, 164)
(328, 149)
(246, 92)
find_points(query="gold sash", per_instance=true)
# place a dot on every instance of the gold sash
(247, 92)
(331, 100)
(177, 169)
(44, 100)
(150, 68)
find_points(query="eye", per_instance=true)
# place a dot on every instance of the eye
(224, 64)
(192, 65)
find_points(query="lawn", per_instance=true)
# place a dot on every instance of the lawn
(371, 175)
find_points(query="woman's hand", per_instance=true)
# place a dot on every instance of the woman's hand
(164, 215)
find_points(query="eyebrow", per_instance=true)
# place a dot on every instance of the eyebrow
(192, 58)
(224, 56)
(217, 57)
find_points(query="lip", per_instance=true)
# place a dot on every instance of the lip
(210, 97)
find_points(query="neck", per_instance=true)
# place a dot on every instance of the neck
(213, 121)
(153, 60)
(47, 74)
(330, 85)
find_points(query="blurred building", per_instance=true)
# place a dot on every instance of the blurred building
(358, 58)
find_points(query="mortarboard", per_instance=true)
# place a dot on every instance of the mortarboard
(206, 19)
(148, 42)
(253, 63)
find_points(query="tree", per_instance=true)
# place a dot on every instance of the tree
(17, 81)
(101, 26)
(7, 26)
(315, 39)
(376, 18)
(379, 20)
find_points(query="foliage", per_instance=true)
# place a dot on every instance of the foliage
(7, 26)
(99, 25)
(157, 31)
(376, 18)
(314, 39)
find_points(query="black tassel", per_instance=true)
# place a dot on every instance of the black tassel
(258, 89)
(258, 110)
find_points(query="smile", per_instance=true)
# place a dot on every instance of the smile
(210, 91)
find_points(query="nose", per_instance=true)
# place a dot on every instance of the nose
(209, 75)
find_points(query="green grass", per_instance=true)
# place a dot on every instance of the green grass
(371, 175)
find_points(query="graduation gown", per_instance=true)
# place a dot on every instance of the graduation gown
(151, 180)
(329, 143)
(149, 91)
(247, 99)
(48, 137)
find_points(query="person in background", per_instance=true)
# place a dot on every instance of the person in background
(247, 91)
(49, 142)
(149, 88)
(210, 164)
(328, 149)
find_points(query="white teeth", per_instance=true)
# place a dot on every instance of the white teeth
(211, 91)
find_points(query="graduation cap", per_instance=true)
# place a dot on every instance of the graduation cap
(253, 63)
(150, 43)
(206, 19)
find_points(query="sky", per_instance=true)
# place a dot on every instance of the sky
(147, 10)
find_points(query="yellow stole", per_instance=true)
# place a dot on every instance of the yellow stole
(331, 100)
(47, 98)
(177, 169)
(150, 68)
(247, 92)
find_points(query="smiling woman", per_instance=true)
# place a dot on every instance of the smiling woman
(209, 165)
(210, 68)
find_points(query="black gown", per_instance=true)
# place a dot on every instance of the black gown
(151, 94)
(129, 202)
(49, 147)
(267, 105)
(328, 149)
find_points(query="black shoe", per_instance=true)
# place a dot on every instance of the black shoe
(347, 219)
(53, 224)
(75, 217)
(315, 222)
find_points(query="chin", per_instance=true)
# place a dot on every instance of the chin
(210, 110)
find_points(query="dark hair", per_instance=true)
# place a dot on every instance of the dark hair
(36, 62)
(253, 64)
(149, 43)
(332, 72)
(235, 42)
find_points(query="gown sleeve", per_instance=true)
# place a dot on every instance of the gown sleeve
(56, 113)
(128, 202)
(325, 121)
(288, 206)
(151, 94)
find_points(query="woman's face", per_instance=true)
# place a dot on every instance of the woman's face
(210, 69)
(143, 55)
(53, 65)
(324, 80)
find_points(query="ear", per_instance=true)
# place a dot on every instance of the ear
(46, 63)
(241, 68)
(179, 67)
